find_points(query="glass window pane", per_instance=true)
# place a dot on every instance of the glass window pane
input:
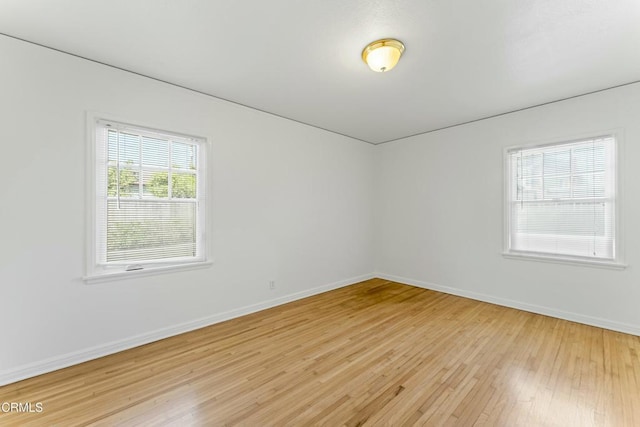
(557, 187)
(155, 152)
(589, 158)
(183, 185)
(557, 162)
(139, 230)
(531, 189)
(588, 185)
(183, 156)
(532, 165)
(572, 219)
(112, 143)
(128, 182)
(129, 149)
(156, 184)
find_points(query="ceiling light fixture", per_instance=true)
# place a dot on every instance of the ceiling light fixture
(382, 55)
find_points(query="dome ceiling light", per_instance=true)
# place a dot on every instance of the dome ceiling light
(382, 55)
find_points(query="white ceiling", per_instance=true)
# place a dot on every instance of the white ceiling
(464, 59)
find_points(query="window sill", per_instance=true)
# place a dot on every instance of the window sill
(523, 256)
(149, 271)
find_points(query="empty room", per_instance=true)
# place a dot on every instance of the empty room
(288, 213)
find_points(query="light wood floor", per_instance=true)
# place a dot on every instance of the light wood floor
(376, 353)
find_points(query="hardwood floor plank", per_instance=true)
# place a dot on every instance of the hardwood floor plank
(374, 353)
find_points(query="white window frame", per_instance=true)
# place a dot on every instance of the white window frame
(97, 271)
(615, 263)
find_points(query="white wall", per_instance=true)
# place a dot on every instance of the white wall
(289, 203)
(439, 215)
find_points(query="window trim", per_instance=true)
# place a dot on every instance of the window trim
(95, 273)
(616, 263)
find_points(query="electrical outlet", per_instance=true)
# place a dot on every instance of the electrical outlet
(272, 284)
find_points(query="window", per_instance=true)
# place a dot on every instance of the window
(561, 200)
(149, 199)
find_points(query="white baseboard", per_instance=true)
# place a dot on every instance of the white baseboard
(574, 317)
(52, 364)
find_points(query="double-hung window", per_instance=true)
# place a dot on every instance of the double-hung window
(562, 200)
(149, 199)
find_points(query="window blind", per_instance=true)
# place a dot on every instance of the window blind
(149, 189)
(562, 199)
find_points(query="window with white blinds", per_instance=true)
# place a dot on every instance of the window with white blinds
(562, 199)
(149, 195)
